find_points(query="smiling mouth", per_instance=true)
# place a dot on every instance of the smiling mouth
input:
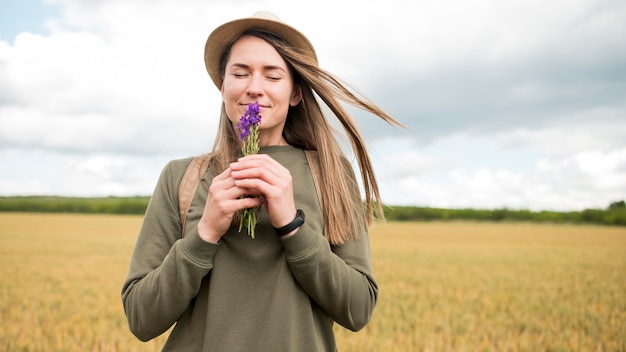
(260, 106)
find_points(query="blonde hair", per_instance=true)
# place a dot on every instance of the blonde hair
(306, 127)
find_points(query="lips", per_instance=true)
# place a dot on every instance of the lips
(260, 105)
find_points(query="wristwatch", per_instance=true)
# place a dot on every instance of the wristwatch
(294, 224)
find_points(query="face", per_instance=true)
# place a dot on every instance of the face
(256, 72)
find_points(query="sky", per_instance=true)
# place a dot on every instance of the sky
(508, 103)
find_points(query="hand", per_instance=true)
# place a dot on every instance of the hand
(223, 201)
(260, 175)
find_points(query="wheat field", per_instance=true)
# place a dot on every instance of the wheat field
(443, 286)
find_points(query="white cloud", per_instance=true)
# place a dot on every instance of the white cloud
(42, 172)
(74, 90)
(510, 103)
(586, 179)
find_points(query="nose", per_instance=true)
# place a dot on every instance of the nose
(255, 86)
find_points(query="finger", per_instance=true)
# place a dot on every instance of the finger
(255, 157)
(229, 207)
(224, 188)
(256, 160)
(254, 174)
(273, 187)
(266, 169)
(250, 202)
(228, 190)
(224, 175)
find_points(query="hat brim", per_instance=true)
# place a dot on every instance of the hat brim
(223, 36)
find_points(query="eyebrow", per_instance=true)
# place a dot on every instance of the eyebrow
(265, 68)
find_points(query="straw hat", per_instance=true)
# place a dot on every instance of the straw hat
(223, 36)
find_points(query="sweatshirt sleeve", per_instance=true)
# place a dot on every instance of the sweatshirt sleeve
(338, 278)
(165, 271)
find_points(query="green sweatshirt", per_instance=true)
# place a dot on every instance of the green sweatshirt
(244, 294)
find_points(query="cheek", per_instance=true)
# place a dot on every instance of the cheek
(229, 98)
(232, 89)
(227, 92)
(232, 113)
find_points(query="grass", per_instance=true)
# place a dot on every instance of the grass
(443, 286)
(61, 282)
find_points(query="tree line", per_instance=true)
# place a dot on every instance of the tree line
(614, 214)
(53, 204)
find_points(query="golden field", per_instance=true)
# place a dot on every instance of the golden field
(443, 286)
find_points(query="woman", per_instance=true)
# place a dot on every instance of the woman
(309, 263)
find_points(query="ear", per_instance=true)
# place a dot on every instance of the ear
(296, 96)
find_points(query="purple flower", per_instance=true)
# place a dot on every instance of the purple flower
(249, 120)
(248, 127)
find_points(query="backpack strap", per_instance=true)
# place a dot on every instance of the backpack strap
(189, 185)
(197, 168)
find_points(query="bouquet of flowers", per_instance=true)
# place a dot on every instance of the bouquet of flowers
(248, 127)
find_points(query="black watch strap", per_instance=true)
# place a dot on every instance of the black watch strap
(294, 224)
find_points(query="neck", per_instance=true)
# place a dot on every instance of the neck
(268, 139)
